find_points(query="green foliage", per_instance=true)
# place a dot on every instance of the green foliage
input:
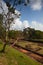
(19, 2)
(11, 34)
(30, 34)
(39, 34)
(11, 9)
(14, 34)
(14, 57)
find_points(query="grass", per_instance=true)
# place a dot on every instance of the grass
(23, 43)
(33, 45)
(14, 57)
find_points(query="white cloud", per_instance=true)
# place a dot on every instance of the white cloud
(17, 12)
(19, 25)
(36, 4)
(25, 24)
(37, 25)
(4, 6)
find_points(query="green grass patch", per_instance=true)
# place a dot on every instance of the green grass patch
(14, 57)
(34, 46)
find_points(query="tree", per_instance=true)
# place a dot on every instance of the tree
(15, 34)
(2, 30)
(7, 21)
(7, 17)
(1, 19)
(28, 33)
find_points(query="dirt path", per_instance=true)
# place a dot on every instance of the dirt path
(32, 55)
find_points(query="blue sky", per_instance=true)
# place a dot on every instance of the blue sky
(31, 15)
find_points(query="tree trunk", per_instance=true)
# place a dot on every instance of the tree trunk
(5, 42)
(3, 50)
(6, 37)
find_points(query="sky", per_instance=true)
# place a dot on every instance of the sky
(31, 15)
